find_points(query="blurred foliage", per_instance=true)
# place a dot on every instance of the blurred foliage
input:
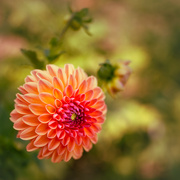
(140, 138)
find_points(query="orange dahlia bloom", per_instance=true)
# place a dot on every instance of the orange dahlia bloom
(60, 111)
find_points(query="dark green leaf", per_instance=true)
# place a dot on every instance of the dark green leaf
(32, 56)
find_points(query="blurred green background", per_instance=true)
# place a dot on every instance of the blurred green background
(140, 137)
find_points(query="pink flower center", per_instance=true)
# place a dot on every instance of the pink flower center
(71, 116)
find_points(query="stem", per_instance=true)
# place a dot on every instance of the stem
(66, 27)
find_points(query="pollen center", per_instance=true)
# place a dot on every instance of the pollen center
(73, 117)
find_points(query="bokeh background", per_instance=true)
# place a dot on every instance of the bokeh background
(140, 139)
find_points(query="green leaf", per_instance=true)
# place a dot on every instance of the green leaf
(86, 29)
(32, 56)
(54, 57)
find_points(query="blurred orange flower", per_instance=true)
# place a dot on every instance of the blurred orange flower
(120, 77)
(60, 111)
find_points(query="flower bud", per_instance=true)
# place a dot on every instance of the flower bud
(114, 77)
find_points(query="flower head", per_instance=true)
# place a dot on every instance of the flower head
(114, 77)
(60, 111)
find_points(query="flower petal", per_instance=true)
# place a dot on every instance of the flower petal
(62, 76)
(83, 87)
(91, 82)
(47, 98)
(89, 132)
(65, 140)
(30, 79)
(15, 115)
(72, 81)
(68, 91)
(30, 119)
(57, 83)
(50, 109)
(30, 147)
(69, 69)
(22, 90)
(89, 94)
(87, 143)
(78, 150)
(57, 94)
(52, 133)
(28, 133)
(44, 75)
(67, 156)
(41, 141)
(71, 145)
(44, 86)
(94, 139)
(78, 140)
(53, 144)
(42, 129)
(32, 98)
(45, 118)
(31, 87)
(20, 125)
(52, 69)
(56, 158)
(61, 149)
(37, 109)
(22, 109)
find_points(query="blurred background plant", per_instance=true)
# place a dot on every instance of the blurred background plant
(140, 138)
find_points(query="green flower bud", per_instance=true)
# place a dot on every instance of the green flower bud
(106, 71)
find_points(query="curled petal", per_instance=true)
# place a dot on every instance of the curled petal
(50, 109)
(52, 69)
(89, 132)
(32, 98)
(44, 75)
(58, 84)
(62, 76)
(71, 145)
(20, 125)
(41, 141)
(30, 79)
(45, 118)
(22, 109)
(28, 133)
(57, 94)
(72, 81)
(30, 147)
(68, 90)
(51, 133)
(56, 158)
(22, 90)
(61, 149)
(37, 109)
(65, 140)
(77, 151)
(53, 144)
(42, 129)
(15, 116)
(47, 98)
(83, 87)
(91, 82)
(44, 86)
(69, 69)
(31, 87)
(67, 156)
(30, 119)
(94, 139)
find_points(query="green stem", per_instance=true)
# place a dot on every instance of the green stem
(66, 27)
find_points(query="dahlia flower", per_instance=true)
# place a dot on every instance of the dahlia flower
(60, 110)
